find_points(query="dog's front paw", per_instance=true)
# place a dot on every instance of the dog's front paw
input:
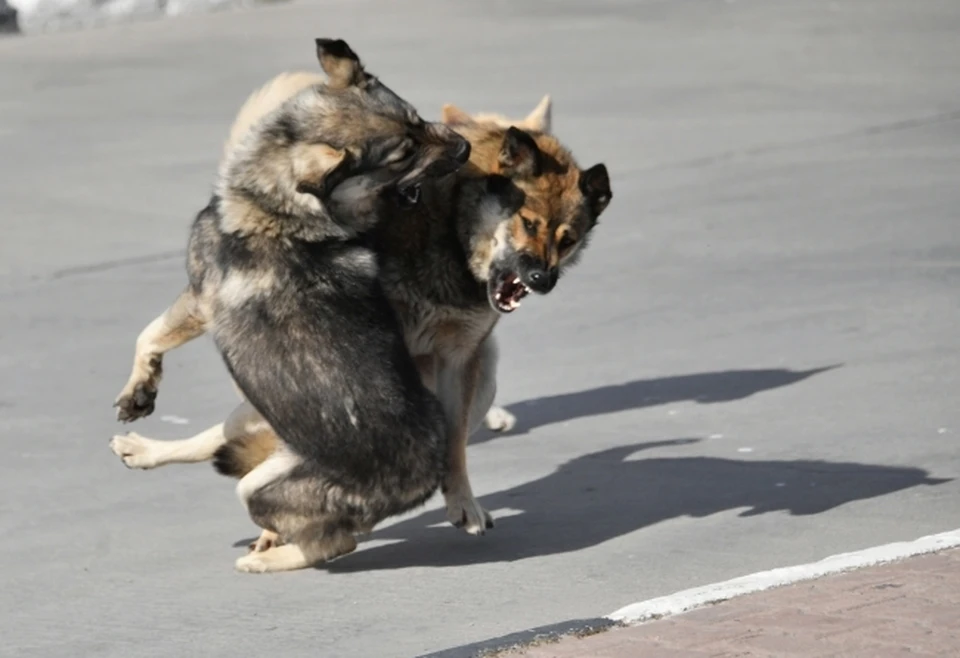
(138, 397)
(499, 419)
(134, 450)
(463, 511)
(137, 401)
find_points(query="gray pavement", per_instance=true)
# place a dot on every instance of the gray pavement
(755, 365)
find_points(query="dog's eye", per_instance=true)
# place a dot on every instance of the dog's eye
(529, 225)
(566, 242)
(410, 195)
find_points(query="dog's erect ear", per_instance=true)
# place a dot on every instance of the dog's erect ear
(519, 154)
(452, 115)
(322, 169)
(340, 63)
(595, 186)
(509, 196)
(541, 118)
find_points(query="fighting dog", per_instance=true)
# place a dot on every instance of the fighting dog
(281, 276)
(451, 266)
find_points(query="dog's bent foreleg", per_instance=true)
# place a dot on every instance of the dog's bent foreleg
(180, 323)
(457, 392)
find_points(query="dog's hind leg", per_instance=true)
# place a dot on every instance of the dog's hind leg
(494, 418)
(499, 419)
(180, 323)
(294, 511)
(319, 542)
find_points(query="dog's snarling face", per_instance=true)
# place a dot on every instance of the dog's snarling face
(561, 203)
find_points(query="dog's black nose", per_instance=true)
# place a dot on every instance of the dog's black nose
(541, 281)
(462, 152)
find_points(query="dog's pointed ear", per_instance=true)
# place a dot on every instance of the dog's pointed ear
(595, 186)
(451, 115)
(519, 154)
(323, 168)
(541, 117)
(509, 196)
(340, 63)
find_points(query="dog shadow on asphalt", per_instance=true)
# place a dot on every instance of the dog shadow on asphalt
(610, 493)
(704, 388)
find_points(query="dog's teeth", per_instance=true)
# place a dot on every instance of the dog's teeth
(516, 280)
(498, 296)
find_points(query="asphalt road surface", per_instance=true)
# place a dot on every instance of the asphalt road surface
(755, 365)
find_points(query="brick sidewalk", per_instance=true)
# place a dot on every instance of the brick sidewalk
(908, 608)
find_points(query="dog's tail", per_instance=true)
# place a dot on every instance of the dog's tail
(239, 456)
(266, 99)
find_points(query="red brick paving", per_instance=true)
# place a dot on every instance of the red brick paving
(907, 608)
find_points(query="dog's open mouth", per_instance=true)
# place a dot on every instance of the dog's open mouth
(508, 292)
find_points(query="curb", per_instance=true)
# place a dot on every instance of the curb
(700, 596)
(697, 597)
(544, 634)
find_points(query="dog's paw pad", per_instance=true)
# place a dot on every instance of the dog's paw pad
(134, 450)
(499, 419)
(138, 403)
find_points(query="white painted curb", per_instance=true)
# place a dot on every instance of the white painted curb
(763, 580)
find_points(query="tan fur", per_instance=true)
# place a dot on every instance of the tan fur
(540, 119)
(552, 199)
(265, 100)
(250, 450)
